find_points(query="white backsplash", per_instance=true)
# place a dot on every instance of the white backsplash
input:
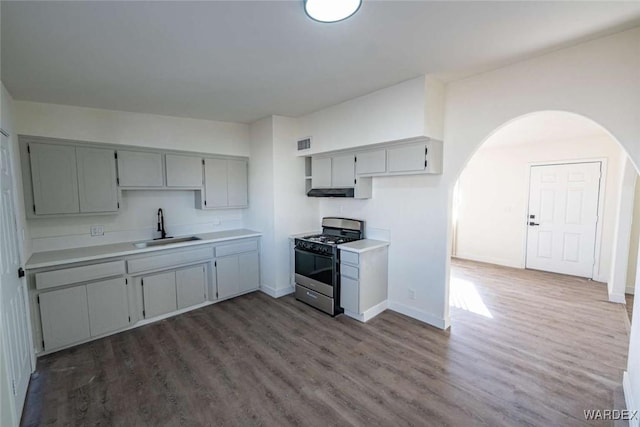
(136, 221)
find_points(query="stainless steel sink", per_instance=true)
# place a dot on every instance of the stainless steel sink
(167, 241)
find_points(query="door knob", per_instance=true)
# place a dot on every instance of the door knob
(533, 223)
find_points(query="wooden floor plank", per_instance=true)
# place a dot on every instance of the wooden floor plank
(544, 348)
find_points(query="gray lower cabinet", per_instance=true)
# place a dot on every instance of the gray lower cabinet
(140, 169)
(237, 274)
(108, 306)
(191, 286)
(363, 282)
(65, 316)
(159, 294)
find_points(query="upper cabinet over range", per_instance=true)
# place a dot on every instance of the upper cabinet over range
(74, 178)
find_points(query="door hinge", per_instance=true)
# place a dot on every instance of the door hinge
(355, 159)
(118, 181)
(216, 295)
(34, 208)
(354, 181)
(118, 205)
(203, 161)
(425, 163)
(28, 149)
(215, 263)
(141, 282)
(144, 313)
(129, 318)
(115, 154)
(20, 272)
(13, 385)
(426, 151)
(205, 203)
(126, 281)
(43, 344)
(38, 298)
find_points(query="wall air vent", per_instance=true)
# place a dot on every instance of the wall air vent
(304, 144)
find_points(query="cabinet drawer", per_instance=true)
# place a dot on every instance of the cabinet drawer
(349, 257)
(349, 271)
(168, 260)
(67, 276)
(237, 248)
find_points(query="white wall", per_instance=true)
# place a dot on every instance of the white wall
(390, 114)
(634, 241)
(136, 220)
(597, 79)
(279, 206)
(494, 190)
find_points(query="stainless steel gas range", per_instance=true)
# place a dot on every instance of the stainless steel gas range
(317, 263)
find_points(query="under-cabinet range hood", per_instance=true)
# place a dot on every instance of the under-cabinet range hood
(331, 192)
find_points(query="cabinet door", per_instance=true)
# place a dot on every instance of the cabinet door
(98, 190)
(108, 306)
(343, 171)
(408, 158)
(215, 183)
(140, 169)
(321, 172)
(65, 317)
(371, 162)
(183, 171)
(159, 294)
(190, 284)
(54, 178)
(249, 272)
(349, 290)
(237, 183)
(228, 276)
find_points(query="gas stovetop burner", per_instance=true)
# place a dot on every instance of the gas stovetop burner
(329, 239)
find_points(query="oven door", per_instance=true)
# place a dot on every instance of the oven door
(315, 271)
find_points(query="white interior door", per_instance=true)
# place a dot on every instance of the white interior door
(563, 216)
(14, 326)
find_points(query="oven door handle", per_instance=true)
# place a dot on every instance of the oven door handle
(313, 253)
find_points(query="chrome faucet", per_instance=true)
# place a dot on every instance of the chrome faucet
(161, 229)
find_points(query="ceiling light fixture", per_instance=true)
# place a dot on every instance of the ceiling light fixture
(331, 10)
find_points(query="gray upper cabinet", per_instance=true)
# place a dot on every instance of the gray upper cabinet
(225, 183)
(140, 169)
(215, 183)
(54, 179)
(374, 161)
(237, 188)
(97, 187)
(408, 158)
(321, 172)
(184, 171)
(343, 171)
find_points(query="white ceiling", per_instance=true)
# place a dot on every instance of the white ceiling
(240, 60)
(545, 127)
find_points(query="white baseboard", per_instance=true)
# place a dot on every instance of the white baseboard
(629, 399)
(630, 290)
(369, 314)
(617, 298)
(277, 293)
(490, 260)
(420, 315)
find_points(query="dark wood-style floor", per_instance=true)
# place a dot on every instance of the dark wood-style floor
(530, 348)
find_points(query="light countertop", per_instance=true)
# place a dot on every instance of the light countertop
(90, 253)
(363, 245)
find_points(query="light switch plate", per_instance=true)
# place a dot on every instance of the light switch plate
(97, 230)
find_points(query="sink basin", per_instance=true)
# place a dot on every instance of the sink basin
(167, 241)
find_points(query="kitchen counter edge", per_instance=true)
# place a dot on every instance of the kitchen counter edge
(67, 256)
(363, 245)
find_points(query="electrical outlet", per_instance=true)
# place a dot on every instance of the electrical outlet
(412, 293)
(97, 230)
